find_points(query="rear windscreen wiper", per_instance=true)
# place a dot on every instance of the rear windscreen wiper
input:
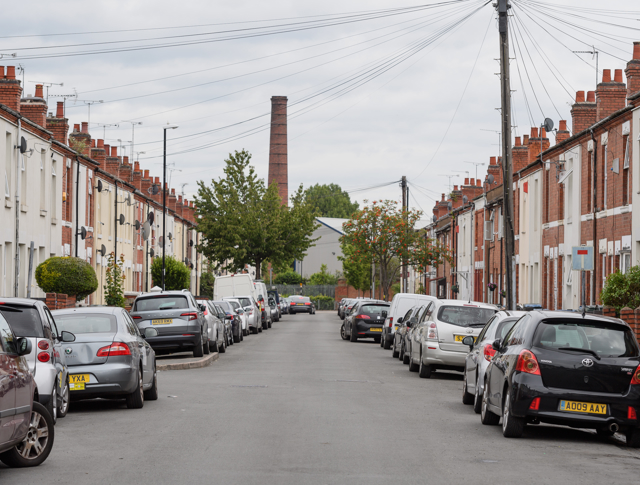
(586, 351)
(476, 325)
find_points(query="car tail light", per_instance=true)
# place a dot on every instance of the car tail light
(116, 348)
(206, 312)
(44, 357)
(307, 303)
(489, 352)
(191, 315)
(390, 322)
(292, 304)
(631, 413)
(535, 404)
(636, 377)
(528, 363)
(43, 345)
(363, 317)
(137, 317)
(187, 335)
(432, 334)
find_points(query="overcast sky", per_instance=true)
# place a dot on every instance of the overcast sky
(425, 117)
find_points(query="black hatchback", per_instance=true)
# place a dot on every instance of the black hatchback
(367, 321)
(565, 369)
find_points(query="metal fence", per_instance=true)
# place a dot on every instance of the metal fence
(311, 291)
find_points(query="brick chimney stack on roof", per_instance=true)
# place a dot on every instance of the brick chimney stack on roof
(583, 112)
(633, 71)
(538, 142)
(10, 89)
(520, 154)
(563, 133)
(495, 170)
(99, 154)
(81, 139)
(278, 153)
(59, 125)
(610, 95)
(35, 108)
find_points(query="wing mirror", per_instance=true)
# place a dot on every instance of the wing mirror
(202, 307)
(408, 324)
(469, 341)
(150, 332)
(23, 346)
(399, 320)
(67, 336)
(496, 345)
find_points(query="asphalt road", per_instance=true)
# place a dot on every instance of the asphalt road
(297, 405)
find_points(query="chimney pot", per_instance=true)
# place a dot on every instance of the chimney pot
(136, 166)
(563, 125)
(591, 96)
(1, 72)
(145, 174)
(518, 141)
(60, 110)
(478, 182)
(543, 132)
(114, 151)
(534, 132)
(125, 160)
(492, 161)
(173, 191)
(579, 96)
(93, 143)
(617, 77)
(466, 181)
(39, 93)
(85, 127)
(76, 128)
(442, 197)
(525, 139)
(606, 75)
(156, 180)
(455, 187)
(11, 72)
(100, 143)
(636, 50)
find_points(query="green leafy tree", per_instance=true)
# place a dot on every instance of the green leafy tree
(356, 268)
(114, 279)
(323, 277)
(288, 278)
(244, 222)
(330, 201)
(622, 290)
(176, 276)
(66, 275)
(206, 282)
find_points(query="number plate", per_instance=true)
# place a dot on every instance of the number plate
(375, 330)
(162, 321)
(459, 338)
(77, 381)
(582, 407)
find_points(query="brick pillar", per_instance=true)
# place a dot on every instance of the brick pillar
(278, 155)
(609, 311)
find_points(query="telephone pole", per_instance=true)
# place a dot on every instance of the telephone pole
(503, 7)
(405, 204)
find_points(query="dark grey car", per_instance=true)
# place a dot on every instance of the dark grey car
(109, 356)
(179, 320)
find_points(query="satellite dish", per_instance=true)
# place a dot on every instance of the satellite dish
(99, 186)
(191, 242)
(186, 261)
(152, 252)
(490, 179)
(191, 265)
(160, 242)
(548, 124)
(435, 218)
(23, 144)
(170, 236)
(154, 189)
(121, 219)
(449, 205)
(103, 250)
(137, 224)
(146, 230)
(150, 218)
(83, 233)
(465, 199)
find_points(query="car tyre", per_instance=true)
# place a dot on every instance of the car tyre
(222, 348)
(353, 337)
(633, 437)
(467, 397)
(135, 400)
(213, 346)
(237, 338)
(487, 417)
(477, 399)
(425, 370)
(386, 345)
(52, 405)
(259, 329)
(342, 334)
(405, 358)
(206, 349)
(198, 351)
(269, 324)
(412, 366)
(63, 403)
(151, 394)
(512, 426)
(41, 429)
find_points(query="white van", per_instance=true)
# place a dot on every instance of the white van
(263, 299)
(240, 284)
(400, 305)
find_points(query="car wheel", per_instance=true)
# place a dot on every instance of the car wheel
(63, 403)
(477, 399)
(213, 346)
(467, 397)
(237, 338)
(52, 405)
(135, 400)
(353, 337)
(405, 358)
(386, 345)
(395, 354)
(486, 416)
(269, 324)
(633, 437)
(223, 347)
(259, 329)
(512, 426)
(413, 367)
(198, 351)
(425, 370)
(152, 393)
(342, 334)
(36, 446)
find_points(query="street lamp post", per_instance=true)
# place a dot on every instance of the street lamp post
(164, 195)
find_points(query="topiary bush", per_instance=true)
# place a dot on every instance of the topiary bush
(67, 275)
(176, 277)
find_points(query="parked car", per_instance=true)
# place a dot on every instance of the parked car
(239, 309)
(26, 426)
(436, 342)
(109, 358)
(284, 306)
(481, 353)
(565, 369)
(252, 312)
(347, 306)
(273, 306)
(176, 316)
(403, 324)
(273, 293)
(400, 304)
(217, 338)
(367, 321)
(47, 361)
(234, 320)
(300, 304)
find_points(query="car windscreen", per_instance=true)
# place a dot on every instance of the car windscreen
(225, 305)
(604, 338)
(24, 321)
(78, 323)
(373, 310)
(465, 316)
(165, 302)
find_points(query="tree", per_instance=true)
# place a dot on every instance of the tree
(426, 252)
(330, 201)
(288, 278)
(176, 276)
(114, 279)
(66, 275)
(206, 282)
(323, 277)
(244, 222)
(622, 290)
(356, 268)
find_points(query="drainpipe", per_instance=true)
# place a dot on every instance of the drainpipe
(594, 191)
(17, 254)
(77, 202)
(115, 238)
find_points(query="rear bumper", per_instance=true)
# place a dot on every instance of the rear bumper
(295, 309)
(366, 331)
(112, 379)
(433, 355)
(168, 343)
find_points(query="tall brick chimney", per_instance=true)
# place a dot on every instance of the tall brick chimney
(278, 147)
(583, 113)
(35, 107)
(520, 154)
(633, 71)
(10, 89)
(610, 95)
(59, 125)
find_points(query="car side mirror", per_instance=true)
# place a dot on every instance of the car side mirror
(468, 340)
(202, 307)
(384, 314)
(150, 332)
(399, 320)
(229, 317)
(23, 346)
(408, 324)
(496, 345)
(67, 336)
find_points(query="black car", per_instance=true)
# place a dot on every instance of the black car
(234, 318)
(366, 321)
(565, 369)
(301, 304)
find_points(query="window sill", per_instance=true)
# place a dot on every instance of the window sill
(43, 213)
(8, 204)
(24, 208)
(54, 221)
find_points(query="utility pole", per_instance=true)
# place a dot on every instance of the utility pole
(405, 204)
(503, 7)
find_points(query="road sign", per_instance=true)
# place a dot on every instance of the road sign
(582, 258)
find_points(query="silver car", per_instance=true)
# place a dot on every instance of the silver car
(47, 361)
(252, 312)
(109, 356)
(480, 355)
(216, 328)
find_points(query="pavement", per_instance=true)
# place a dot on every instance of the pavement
(184, 360)
(297, 405)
